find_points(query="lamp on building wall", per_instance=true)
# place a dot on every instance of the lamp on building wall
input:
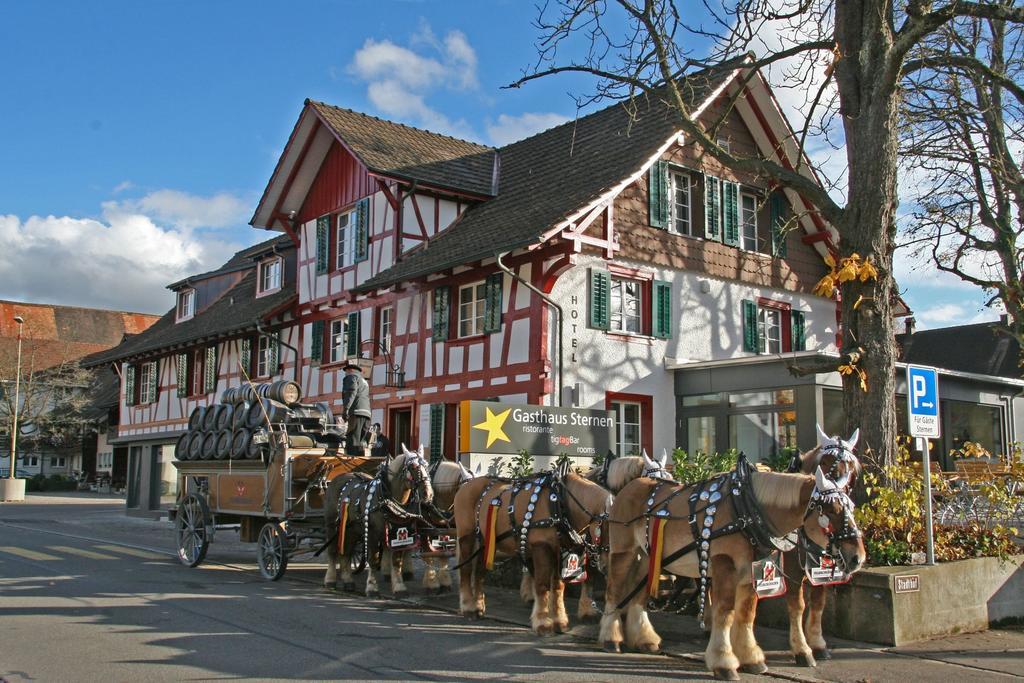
(17, 390)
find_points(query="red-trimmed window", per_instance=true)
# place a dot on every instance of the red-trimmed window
(197, 376)
(270, 275)
(772, 327)
(634, 423)
(344, 239)
(385, 327)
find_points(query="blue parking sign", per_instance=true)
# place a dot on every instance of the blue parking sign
(923, 401)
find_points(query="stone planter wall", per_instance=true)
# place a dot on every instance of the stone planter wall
(954, 597)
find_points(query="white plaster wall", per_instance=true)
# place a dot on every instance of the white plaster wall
(706, 326)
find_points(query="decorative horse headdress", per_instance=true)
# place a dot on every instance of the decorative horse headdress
(843, 453)
(656, 468)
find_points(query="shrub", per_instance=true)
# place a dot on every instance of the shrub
(698, 466)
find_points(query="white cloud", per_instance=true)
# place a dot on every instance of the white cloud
(399, 80)
(951, 315)
(123, 260)
(185, 210)
(123, 185)
(511, 128)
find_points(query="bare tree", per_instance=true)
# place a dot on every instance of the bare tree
(962, 129)
(51, 398)
(849, 56)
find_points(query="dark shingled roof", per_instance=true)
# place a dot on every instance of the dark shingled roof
(984, 349)
(410, 153)
(546, 177)
(236, 311)
(239, 261)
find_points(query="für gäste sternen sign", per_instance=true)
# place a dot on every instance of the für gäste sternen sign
(507, 428)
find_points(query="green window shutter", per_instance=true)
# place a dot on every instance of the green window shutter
(661, 309)
(799, 331)
(316, 341)
(245, 355)
(436, 432)
(750, 336)
(600, 292)
(129, 385)
(777, 221)
(352, 334)
(442, 304)
(323, 236)
(154, 380)
(492, 302)
(182, 375)
(275, 354)
(210, 370)
(657, 194)
(712, 206)
(730, 214)
(362, 227)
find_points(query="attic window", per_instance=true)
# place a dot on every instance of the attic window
(270, 275)
(186, 304)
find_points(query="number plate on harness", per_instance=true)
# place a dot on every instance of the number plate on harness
(442, 543)
(400, 537)
(767, 576)
(574, 567)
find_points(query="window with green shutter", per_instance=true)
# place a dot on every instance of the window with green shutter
(442, 307)
(210, 370)
(245, 355)
(323, 237)
(658, 194)
(152, 381)
(492, 302)
(600, 289)
(274, 361)
(316, 341)
(730, 213)
(777, 223)
(712, 207)
(661, 309)
(436, 432)
(362, 237)
(750, 334)
(129, 385)
(352, 334)
(799, 331)
(182, 375)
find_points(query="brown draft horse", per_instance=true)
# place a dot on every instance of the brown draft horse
(447, 478)
(785, 502)
(536, 518)
(835, 457)
(370, 502)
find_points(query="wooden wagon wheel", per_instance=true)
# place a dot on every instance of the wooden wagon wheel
(272, 551)
(357, 560)
(193, 527)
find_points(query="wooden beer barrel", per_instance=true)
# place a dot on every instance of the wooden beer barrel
(284, 391)
(196, 419)
(181, 446)
(240, 443)
(239, 416)
(210, 419)
(209, 445)
(224, 417)
(195, 445)
(223, 448)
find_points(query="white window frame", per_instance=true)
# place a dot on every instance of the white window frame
(386, 326)
(145, 372)
(618, 320)
(619, 407)
(263, 356)
(748, 218)
(345, 239)
(337, 344)
(197, 386)
(674, 175)
(471, 311)
(273, 267)
(186, 307)
(769, 319)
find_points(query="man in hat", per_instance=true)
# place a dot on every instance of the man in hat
(355, 396)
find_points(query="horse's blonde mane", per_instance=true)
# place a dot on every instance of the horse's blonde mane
(621, 471)
(775, 489)
(448, 474)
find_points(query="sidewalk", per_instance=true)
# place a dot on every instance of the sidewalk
(995, 655)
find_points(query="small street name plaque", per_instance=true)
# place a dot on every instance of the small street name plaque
(907, 583)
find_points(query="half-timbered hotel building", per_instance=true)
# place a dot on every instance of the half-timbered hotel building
(604, 263)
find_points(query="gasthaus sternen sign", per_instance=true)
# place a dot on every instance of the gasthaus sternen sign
(923, 401)
(507, 428)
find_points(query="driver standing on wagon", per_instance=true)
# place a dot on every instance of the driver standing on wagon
(355, 396)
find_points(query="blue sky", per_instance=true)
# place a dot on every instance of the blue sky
(136, 137)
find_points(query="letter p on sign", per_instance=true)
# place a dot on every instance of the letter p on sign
(923, 401)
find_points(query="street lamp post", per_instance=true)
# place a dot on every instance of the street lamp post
(17, 388)
(12, 489)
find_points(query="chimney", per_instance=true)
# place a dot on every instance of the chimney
(909, 324)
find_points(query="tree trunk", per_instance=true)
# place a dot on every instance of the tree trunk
(868, 105)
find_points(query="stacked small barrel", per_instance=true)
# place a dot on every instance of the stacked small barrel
(237, 427)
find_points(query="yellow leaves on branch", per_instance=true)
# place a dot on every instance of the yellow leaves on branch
(853, 267)
(852, 369)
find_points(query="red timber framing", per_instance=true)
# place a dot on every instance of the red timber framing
(601, 216)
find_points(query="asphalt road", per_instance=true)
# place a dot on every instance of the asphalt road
(88, 595)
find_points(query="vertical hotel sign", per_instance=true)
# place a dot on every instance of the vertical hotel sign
(507, 428)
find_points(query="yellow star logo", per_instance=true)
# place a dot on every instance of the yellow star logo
(493, 426)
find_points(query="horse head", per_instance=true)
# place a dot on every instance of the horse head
(656, 468)
(836, 459)
(409, 473)
(829, 522)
